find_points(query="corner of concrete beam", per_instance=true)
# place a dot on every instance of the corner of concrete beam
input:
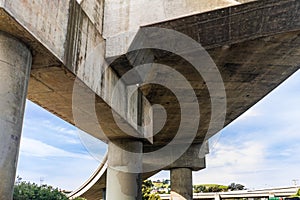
(192, 159)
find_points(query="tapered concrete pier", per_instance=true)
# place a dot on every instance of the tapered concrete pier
(123, 178)
(15, 64)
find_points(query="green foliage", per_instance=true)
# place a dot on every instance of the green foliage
(210, 188)
(217, 188)
(234, 186)
(25, 191)
(162, 187)
(199, 188)
(296, 195)
(147, 187)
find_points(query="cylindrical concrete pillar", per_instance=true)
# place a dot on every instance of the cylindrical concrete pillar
(181, 184)
(15, 64)
(124, 180)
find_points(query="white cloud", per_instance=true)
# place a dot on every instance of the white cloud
(31, 147)
(244, 156)
(51, 149)
(66, 174)
(58, 129)
(56, 166)
(258, 152)
(42, 126)
(251, 113)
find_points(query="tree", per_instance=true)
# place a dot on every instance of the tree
(215, 188)
(210, 188)
(26, 190)
(199, 188)
(147, 187)
(234, 186)
(297, 195)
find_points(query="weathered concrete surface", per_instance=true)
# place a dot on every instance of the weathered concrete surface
(84, 56)
(245, 1)
(122, 19)
(124, 16)
(15, 64)
(53, 35)
(47, 23)
(94, 10)
(191, 159)
(47, 65)
(124, 180)
(253, 59)
(255, 47)
(181, 184)
(61, 50)
(88, 37)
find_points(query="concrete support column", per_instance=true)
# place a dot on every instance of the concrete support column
(15, 64)
(217, 196)
(123, 178)
(181, 184)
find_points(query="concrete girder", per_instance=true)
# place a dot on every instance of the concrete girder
(51, 59)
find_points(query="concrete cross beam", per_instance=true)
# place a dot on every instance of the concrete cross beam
(60, 36)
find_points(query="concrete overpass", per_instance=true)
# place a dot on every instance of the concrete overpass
(101, 65)
(248, 194)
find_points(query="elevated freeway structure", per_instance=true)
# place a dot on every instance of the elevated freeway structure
(153, 79)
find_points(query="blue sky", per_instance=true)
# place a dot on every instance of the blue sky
(260, 149)
(52, 150)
